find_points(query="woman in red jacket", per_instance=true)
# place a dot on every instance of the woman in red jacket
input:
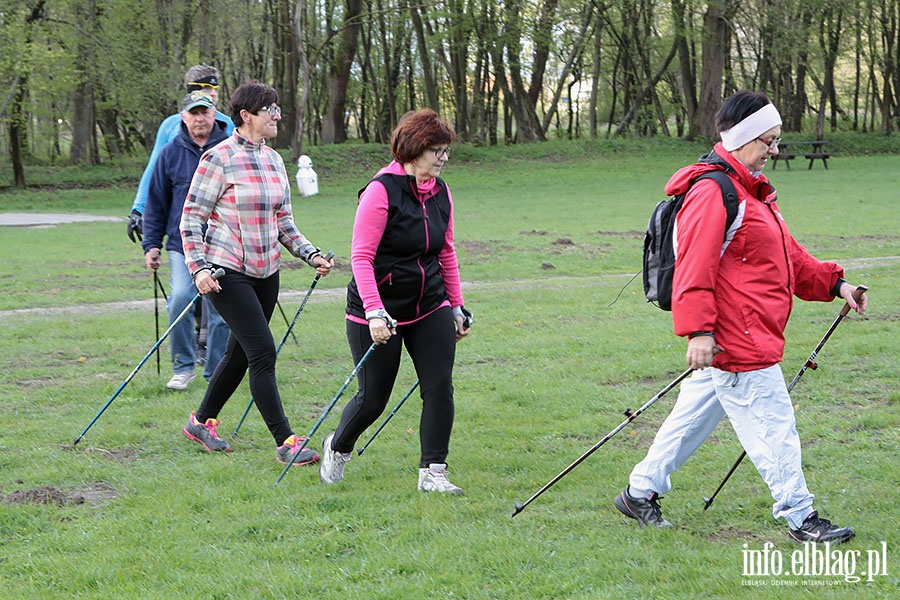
(405, 290)
(737, 296)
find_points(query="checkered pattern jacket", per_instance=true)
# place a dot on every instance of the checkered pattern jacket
(241, 191)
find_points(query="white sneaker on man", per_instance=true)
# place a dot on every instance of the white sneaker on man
(180, 381)
(434, 479)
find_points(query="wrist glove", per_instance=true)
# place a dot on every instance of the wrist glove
(135, 226)
(466, 314)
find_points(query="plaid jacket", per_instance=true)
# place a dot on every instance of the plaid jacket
(241, 190)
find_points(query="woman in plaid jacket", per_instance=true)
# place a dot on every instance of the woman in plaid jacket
(241, 193)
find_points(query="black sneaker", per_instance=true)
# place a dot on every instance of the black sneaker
(815, 529)
(645, 511)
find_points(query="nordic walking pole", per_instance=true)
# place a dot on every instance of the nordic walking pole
(468, 320)
(284, 316)
(325, 413)
(809, 364)
(631, 417)
(156, 314)
(284, 338)
(396, 408)
(216, 274)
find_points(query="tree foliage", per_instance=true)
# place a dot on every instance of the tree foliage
(89, 80)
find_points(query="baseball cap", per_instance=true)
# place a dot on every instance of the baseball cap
(197, 99)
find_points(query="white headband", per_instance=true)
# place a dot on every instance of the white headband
(751, 128)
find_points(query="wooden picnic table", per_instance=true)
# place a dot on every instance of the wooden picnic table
(788, 151)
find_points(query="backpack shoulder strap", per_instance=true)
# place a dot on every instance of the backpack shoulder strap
(729, 194)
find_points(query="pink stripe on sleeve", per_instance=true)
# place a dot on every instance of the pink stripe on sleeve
(371, 219)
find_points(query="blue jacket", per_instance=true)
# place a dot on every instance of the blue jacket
(169, 186)
(167, 131)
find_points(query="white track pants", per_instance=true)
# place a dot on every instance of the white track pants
(760, 410)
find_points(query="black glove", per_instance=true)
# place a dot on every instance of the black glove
(135, 226)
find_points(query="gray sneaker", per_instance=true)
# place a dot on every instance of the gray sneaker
(289, 448)
(331, 469)
(180, 381)
(205, 434)
(645, 511)
(434, 479)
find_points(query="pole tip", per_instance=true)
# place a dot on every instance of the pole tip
(519, 507)
(707, 502)
(359, 451)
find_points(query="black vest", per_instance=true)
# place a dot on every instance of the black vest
(407, 269)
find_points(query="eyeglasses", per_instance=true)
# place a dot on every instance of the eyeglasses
(274, 110)
(201, 84)
(772, 145)
(439, 152)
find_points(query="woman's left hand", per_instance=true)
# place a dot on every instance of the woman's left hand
(462, 328)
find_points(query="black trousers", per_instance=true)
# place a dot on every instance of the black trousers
(431, 343)
(246, 304)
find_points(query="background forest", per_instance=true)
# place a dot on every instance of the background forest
(85, 81)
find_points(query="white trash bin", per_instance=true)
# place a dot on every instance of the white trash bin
(307, 180)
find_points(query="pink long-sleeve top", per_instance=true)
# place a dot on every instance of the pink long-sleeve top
(370, 223)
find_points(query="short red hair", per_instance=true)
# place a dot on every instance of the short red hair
(416, 132)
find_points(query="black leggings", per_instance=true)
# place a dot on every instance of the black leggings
(431, 343)
(246, 304)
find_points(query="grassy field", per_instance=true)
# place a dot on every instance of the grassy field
(548, 236)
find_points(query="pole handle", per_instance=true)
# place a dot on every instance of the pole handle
(857, 295)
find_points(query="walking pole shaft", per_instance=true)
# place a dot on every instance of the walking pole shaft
(809, 364)
(326, 411)
(218, 273)
(156, 314)
(393, 412)
(631, 417)
(285, 336)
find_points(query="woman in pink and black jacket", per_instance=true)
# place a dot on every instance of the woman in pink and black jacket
(405, 291)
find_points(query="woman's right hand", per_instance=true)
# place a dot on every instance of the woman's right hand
(205, 282)
(380, 331)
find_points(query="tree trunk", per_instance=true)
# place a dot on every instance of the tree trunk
(688, 78)
(712, 68)
(17, 133)
(284, 71)
(528, 128)
(333, 127)
(575, 51)
(542, 39)
(829, 42)
(431, 90)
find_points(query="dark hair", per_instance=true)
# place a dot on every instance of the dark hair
(738, 107)
(251, 96)
(416, 131)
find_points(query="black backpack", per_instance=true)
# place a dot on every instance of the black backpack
(659, 251)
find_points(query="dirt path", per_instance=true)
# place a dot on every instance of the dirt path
(853, 264)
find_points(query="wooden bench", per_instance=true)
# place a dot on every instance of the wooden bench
(823, 156)
(785, 156)
(788, 151)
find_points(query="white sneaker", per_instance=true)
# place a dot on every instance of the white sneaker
(180, 381)
(331, 466)
(434, 479)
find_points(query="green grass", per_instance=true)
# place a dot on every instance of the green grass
(547, 372)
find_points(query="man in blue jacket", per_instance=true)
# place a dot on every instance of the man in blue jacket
(199, 78)
(174, 169)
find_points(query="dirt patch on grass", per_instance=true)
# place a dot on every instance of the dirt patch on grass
(475, 249)
(93, 494)
(729, 534)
